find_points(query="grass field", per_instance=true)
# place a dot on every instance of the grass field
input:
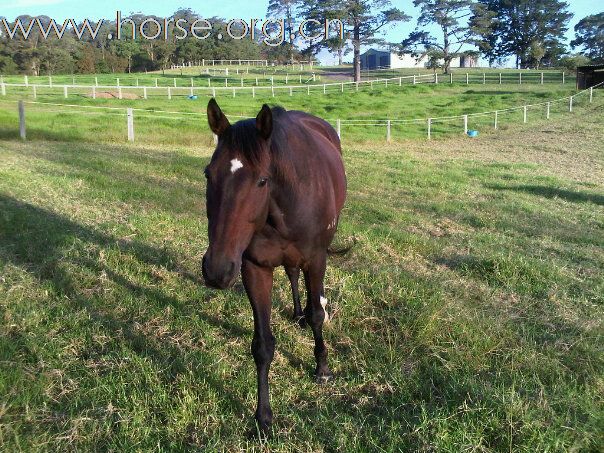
(468, 317)
(186, 124)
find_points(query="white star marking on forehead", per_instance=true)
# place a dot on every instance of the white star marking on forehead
(235, 165)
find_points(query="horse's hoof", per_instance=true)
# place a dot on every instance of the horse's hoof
(324, 378)
(264, 422)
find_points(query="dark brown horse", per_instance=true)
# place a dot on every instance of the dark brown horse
(275, 188)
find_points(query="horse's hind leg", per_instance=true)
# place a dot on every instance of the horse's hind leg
(293, 273)
(315, 315)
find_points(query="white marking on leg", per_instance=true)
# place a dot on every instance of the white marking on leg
(324, 305)
(235, 165)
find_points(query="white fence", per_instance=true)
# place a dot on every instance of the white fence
(387, 124)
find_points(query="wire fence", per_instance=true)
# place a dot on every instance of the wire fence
(252, 86)
(160, 121)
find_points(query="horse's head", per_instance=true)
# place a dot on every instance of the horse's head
(237, 194)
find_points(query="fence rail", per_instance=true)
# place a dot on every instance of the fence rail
(192, 90)
(388, 124)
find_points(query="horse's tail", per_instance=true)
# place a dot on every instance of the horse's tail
(344, 250)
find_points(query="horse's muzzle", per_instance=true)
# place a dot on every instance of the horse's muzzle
(218, 274)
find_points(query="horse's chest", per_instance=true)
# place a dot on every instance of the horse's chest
(269, 249)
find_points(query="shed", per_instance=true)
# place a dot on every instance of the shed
(589, 76)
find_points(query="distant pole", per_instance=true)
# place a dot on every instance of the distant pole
(50, 81)
(22, 120)
(400, 81)
(429, 128)
(547, 110)
(519, 78)
(484, 78)
(496, 118)
(500, 78)
(591, 94)
(96, 81)
(388, 131)
(465, 124)
(467, 78)
(253, 92)
(118, 81)
(339, 128)
(542, 78)
(174, 82)
(325, 88)
(169, 93)
(130, 116)
(563, 77)
(119, 92)
(3, 86)
(413, 81)
(155, 83)
(26, 81)
(94, 92)
(145, 92)
(451, 77)
(436, 78)
(65, 91)
(570, 104)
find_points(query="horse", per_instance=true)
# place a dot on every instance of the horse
(275, 188)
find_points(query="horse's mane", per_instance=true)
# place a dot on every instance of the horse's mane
(243, 136)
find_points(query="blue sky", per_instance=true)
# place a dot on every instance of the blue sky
(244, 9)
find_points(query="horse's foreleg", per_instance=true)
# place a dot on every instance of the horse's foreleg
(315, 315)
(293, 273)
(258, 282)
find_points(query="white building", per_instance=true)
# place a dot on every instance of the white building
(380, 59)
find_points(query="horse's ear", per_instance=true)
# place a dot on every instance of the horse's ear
(264, 122)
(217, 120)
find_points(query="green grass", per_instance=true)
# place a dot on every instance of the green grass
(467, 317)
(406, 102)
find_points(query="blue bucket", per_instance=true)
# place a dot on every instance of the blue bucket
(193, 97)
(472, 133)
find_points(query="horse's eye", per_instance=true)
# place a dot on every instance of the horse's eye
(262, 182)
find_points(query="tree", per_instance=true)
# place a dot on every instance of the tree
(521, 27)
(459, 23)
(286, 9)
(363, 20)
(589, 34)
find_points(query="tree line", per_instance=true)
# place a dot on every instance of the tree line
(531, 32)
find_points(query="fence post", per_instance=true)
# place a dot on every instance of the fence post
(50, 81)
(388, 131)
(130, 116)
(563, 77)
(169, 93)
(96, 81)
(119, 92)
(591, 94)
(547, 111)
(451, 77)
(484, 78)
(3, 85)
(117, 82)
(520, 78)
(174, 82)
(400, 81)
(542, 78)
(429, 128)
(137, 81)
(496, 118)
(436, 78)
(94, 92)
(253, 92)
(22, 120)
(26, 81)
(525, 113)
(500, 78)
(413, 82)
(465, 124)
(213, 92)
(570, 104)
(155, 83)
(467, 78)
(273, 91)
(65, 91)
(339, 128)
(324, 88)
